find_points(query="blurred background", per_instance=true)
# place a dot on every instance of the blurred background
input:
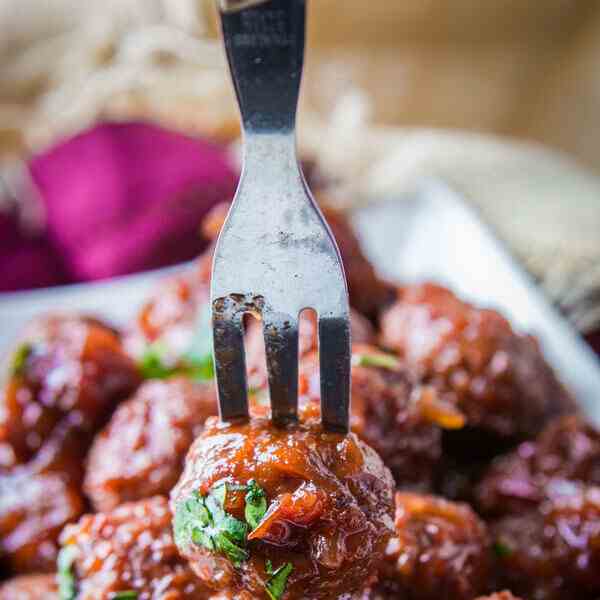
(118, 128)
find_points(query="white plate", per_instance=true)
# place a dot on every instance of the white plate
(429, 236)
(433, 235)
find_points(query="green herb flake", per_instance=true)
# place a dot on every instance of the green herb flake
(196, 363)
(502, 549)
(152, 365)
(256, 504)
(203, 521)
(199, 369)
(125, 595)
(275, 585)
(65, 575)
(20, 356)
(384, 361)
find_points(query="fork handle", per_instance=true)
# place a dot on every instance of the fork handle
(265, 49)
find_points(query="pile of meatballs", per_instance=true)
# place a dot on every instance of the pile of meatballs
(468, 473)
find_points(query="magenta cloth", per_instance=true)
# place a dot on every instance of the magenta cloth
(26, 261)
(126, 197)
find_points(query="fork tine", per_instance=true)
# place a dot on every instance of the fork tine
(334, 359)
(230, 365)
(281, 346)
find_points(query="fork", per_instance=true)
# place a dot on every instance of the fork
(275, 255)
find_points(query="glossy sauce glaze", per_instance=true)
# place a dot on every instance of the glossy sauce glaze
(440, 550)
(390, 411)
(66, 372)
(129, 549)
(30, 587)
(475, 360)
(140, 453)
(329, 507)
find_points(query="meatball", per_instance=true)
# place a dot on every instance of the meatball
(553, 552)
(569, 449)
(129, 549)
(289, 513)
(165, 327)
(35, 507)
(30, 587)
(391, 412)
(68, 371)
(472, 356)
(141, 451)
(440, 551)
(361, 329)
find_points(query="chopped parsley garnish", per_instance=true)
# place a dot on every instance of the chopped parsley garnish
(384, 361)
(202, 520)
(154, 365)
(256, 504)
(20, 356)
(196, 363)
(125, 595)
(275, 585)
(502, 549)
(65, 575)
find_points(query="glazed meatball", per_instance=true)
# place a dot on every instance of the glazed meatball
(472, 356)
(30, 587)
(34, 508)
(141, 451)
(129, 549)
(165, 327)
(440, 551)
(361, 329)
(391, 412)
(286, 513)
(68, 371)
(553, 552)
(568, 449)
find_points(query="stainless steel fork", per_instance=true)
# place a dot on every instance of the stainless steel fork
(275, 255)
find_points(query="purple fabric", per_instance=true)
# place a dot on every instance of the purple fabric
(26, 262)
(125, 197)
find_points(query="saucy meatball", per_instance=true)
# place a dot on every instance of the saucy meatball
(283, 513)
(440, 551)
(568, 449)
(391, 412)
(141, 451)
(165, 327)
(129, 549)
(472, 356)
(38, 499)
(68, 371)
(30, 587)
(553, 552)
(34, 508)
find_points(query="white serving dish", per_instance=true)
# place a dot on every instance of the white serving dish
(430, 235)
